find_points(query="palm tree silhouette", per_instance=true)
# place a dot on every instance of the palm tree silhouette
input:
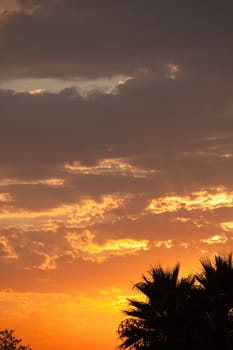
(216, 281)
(180, 314)
(159, 321)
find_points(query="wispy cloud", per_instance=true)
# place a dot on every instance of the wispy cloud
(14, 181)
(167, 244)
(110, 166)
(84, 245)
(5, 197)
(6, 250)
(227, 226)
(86, 212)
(204, 200)
(216, 239)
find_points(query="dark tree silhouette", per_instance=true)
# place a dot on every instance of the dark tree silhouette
(181, 314)
(9, 342)
(158, 322)
(216, 280)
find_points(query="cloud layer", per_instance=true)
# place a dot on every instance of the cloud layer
(116, 146)
(67, 37)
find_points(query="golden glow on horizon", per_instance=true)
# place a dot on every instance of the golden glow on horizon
(63, 306)
(72, 314)
(110, 291)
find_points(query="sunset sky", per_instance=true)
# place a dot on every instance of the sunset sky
(116, 141)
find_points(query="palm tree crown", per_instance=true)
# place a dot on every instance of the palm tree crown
(158, 321)
(185, 314)
(216, 281)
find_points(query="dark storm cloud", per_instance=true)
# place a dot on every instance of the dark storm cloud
(174, 120)
(180, 128)
(85, 38)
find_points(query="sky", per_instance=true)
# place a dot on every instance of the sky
(116, 155)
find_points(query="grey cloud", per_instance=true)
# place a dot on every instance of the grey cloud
(179, 125)
(97, 38)
(41, 197)
(154, 122)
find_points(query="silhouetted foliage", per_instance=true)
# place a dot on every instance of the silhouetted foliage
(188, 313)
(9, 342)
(216, 280)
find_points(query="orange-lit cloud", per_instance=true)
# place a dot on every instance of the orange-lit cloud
(5, 197)
(206, 199)
(184, 244)
(109, 166)
(123, 81)
(83, 245)
(78, 87)
(86, 212)
(49, 262)
(6, 5)
(216, 239)
(167, 244)
(91, 211)
(36, 91)
(6, 249)
(197, 221)
(49, 181)
(173, 70)
(227, 226)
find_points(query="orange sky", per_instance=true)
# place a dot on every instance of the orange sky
(116, 155)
